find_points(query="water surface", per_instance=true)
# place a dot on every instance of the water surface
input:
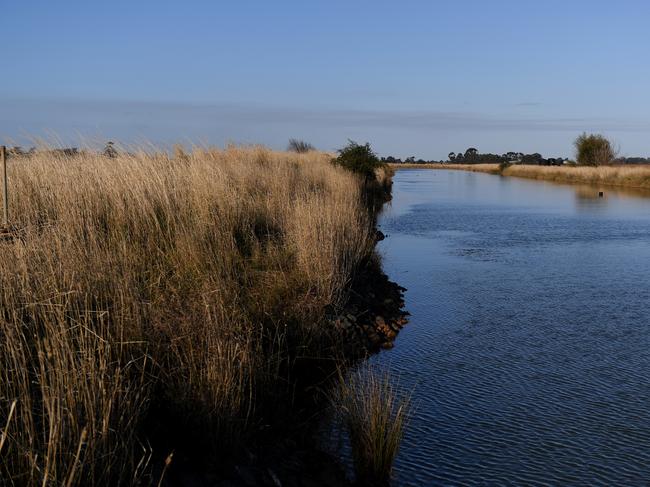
(528, 350)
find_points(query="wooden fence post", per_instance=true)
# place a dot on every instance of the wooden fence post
(5, 190)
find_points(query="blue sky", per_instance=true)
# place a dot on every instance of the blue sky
(418, 78)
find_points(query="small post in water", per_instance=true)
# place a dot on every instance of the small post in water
(5, 191)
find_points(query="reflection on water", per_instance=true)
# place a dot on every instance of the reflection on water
(590, 199)
(528, 349)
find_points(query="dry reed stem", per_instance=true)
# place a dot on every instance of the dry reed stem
(6, 430)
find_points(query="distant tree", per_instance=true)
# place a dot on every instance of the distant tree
(535, 159)
(110, 150)
(593, 150)
(633, 160)
(299, 146)
(470, 153)
(15, 151)
(473, 156)
(65, 152)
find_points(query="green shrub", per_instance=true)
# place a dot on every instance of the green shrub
(593, 150)
(360, 159)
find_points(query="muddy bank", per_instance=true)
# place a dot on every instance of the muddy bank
(374, 315)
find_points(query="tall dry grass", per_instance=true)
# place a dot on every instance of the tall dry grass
(147, 289)
(374, 413)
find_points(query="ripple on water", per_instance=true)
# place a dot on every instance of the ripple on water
(528, 350)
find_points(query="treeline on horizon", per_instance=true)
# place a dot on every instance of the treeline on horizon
(473, 156)
(470, 156)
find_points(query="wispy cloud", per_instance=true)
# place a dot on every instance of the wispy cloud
(162, 120)
(529, 104)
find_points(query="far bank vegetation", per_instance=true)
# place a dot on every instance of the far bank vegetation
(615, 176)
(596, 164)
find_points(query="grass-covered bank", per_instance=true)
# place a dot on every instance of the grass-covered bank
(154, 304)
(624, 176)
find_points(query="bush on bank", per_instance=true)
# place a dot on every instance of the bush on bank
(593, 150)
(376, 175)
(360, 159)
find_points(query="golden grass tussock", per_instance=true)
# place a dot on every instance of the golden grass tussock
(374, 414)
(628, 176)
(178, 284)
